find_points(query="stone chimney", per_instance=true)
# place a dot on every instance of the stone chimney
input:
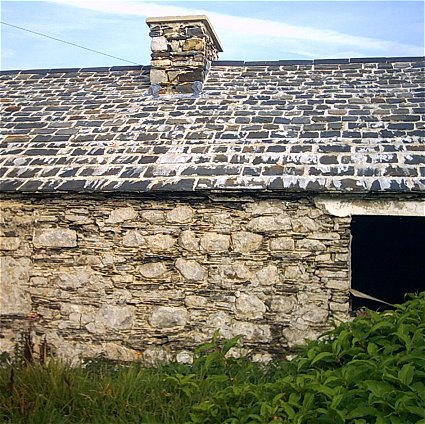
(183, 48)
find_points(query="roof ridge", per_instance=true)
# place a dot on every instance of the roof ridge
(67, 70)
(341, 61)
(289, 62)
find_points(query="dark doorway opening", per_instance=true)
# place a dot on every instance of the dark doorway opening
(387, 258)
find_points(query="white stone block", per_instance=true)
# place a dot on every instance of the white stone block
(9, 243)
(245, 242)
(159, 44)
(14, 290)
(55, 238)
(215, 242)
(190, 269)
(167, 316)
(153, 270)
(249, 306)
(120, 215)
(180, 215)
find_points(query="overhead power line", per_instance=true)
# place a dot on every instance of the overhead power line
(67, 42)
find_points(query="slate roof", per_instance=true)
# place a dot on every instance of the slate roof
(319, 126)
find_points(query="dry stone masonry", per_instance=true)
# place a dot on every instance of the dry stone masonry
(93, 284)
(144, 207)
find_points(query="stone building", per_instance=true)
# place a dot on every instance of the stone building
(143, 207)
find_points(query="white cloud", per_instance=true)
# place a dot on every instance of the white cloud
(281, 40)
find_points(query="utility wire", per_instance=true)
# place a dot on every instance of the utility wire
(67, 42)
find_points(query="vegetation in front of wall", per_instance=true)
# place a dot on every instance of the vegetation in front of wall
(369, 370)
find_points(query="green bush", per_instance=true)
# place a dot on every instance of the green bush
(369, 370)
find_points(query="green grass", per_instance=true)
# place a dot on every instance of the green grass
(370, 370)
(104, 392)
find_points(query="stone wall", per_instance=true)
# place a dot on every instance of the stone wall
(150, 278)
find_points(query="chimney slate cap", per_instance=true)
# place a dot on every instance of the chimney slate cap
(189, 18)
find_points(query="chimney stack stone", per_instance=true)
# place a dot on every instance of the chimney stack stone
(183, 48)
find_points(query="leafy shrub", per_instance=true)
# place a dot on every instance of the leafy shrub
(369, 370)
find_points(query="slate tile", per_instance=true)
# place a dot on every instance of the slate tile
(329, 160)
(183, 184)
(125, 186)
(228, 63)
(29, 125)
(301, 148)
(334, 148)
(351, 134)
(75, 185)
(35, 71)
(351, 184)
(406, 59)
(220, 158)
(273, 170)
(238, 159)
(127, 68)
(330, 61)
(417, 133)
(266, 159)
(330, 134)
(10, 185)
(258, 134)
(79, 152)
(369, 134)
(309, 134)
(159, 171)
(375, 186)
(296, 62)
(398, 185)
(49, 172)
(41, 152)
(367, 172)
(23, 172)
(251, 171)
(147, 159)
(398, 171)
(315, 186)
(95, 69)
(4, 170)
(30, 186)
(368, 60)
(414, 159)
(277, 148)
(63, 70)
(212, 170)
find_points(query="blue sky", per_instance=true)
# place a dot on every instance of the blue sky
(248, 30)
